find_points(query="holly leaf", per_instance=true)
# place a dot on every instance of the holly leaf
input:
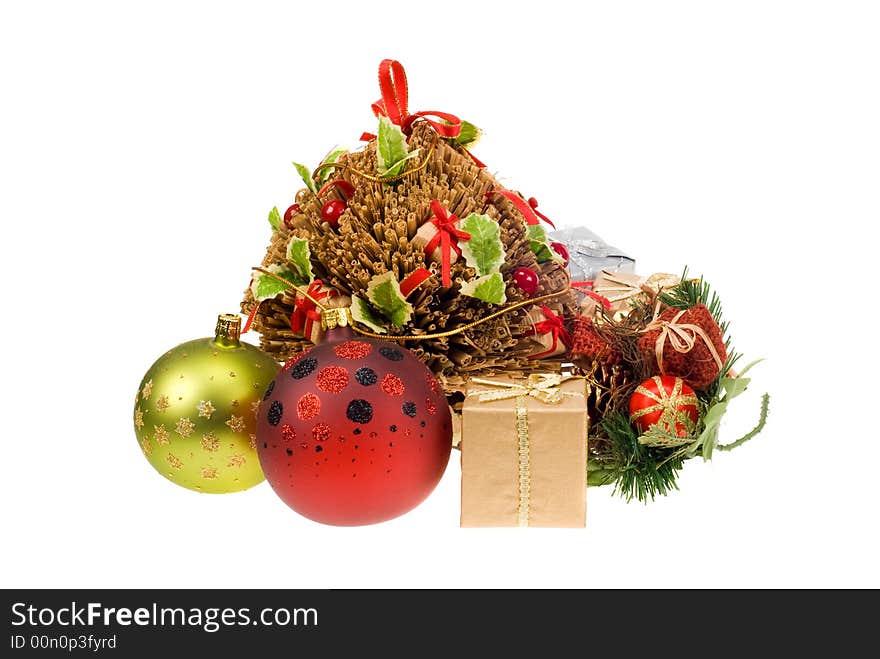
(299, 256)
(265, 287)
(307, 177)
(392, 151)
(362, 312)
(384, 293)
(274, 218)
(484, 252)
(488, 289)
(539, 242)
(469, 134)
(331, 157)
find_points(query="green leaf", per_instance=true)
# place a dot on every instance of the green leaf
(265, 287)
(733, 387)
(539, 242)
(299, 256)
(469, 134)
(332, 157)
(488, 289)
(384, 292)
(274, 218)
(392, 151)
(484, 252)
(362, 312)
(306, 177)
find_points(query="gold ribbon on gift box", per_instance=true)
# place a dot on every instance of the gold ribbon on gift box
(543, 387)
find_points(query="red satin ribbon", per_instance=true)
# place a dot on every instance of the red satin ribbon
(447, 238)
(601, 299)
(306, 311)
(395, 100)
(554, 325)
(527, 208)
(413, 280)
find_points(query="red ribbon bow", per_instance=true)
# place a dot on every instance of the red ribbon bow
(554, 325)
(305, 310)
(447, 238)
(395, 98)
(529, 209)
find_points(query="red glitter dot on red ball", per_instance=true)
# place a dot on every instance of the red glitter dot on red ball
(433, 384)
(304, 444)
(293, 361)
(392, 385)
(321, 432)
(333, 379)
(288, 434)
(430, 406)
(308, 406)
(353, 350)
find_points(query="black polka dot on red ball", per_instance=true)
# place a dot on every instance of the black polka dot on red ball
(359, 411)
(390, 353)
(269, 390)
(318, 449)
(365, 376)
(303, 368)
(393, 429)
(276, 411)
(409, 408)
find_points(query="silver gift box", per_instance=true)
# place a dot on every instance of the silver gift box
(588, 254)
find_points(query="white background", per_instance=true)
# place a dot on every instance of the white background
(143, 145)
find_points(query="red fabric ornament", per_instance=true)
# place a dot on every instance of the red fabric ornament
(666, 401)
(588, 343)
(373, 431)
(686, 344)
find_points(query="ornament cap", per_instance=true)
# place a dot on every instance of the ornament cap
(228, 330)
(336, 317)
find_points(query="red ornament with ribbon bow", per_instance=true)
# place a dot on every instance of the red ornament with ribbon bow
(686, 343)
(548, 328)
(665, 401)
(439, 238)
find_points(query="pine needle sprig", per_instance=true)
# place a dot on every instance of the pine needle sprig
(643, 472)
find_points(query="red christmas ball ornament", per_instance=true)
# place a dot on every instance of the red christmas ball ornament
(667, 401)
(526, 280)
(288, 215)
(332, 210)
(354, 431)
(560, 249)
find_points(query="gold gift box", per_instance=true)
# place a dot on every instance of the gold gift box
(524, 452)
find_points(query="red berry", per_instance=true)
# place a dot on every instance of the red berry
(288, 215)
(332, 210)
(560, 249)
(526, 280)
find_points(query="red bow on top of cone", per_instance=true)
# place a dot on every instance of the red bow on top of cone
(446, 238)
(554, 325)
(395, 99)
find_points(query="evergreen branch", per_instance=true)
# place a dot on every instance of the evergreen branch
(643, 472)
(762, 420)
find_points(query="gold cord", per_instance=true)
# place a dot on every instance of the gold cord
(433, 335)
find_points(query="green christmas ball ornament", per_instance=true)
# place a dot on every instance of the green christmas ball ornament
(195, 411)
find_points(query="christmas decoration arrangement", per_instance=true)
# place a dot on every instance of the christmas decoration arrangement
(409, 293)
